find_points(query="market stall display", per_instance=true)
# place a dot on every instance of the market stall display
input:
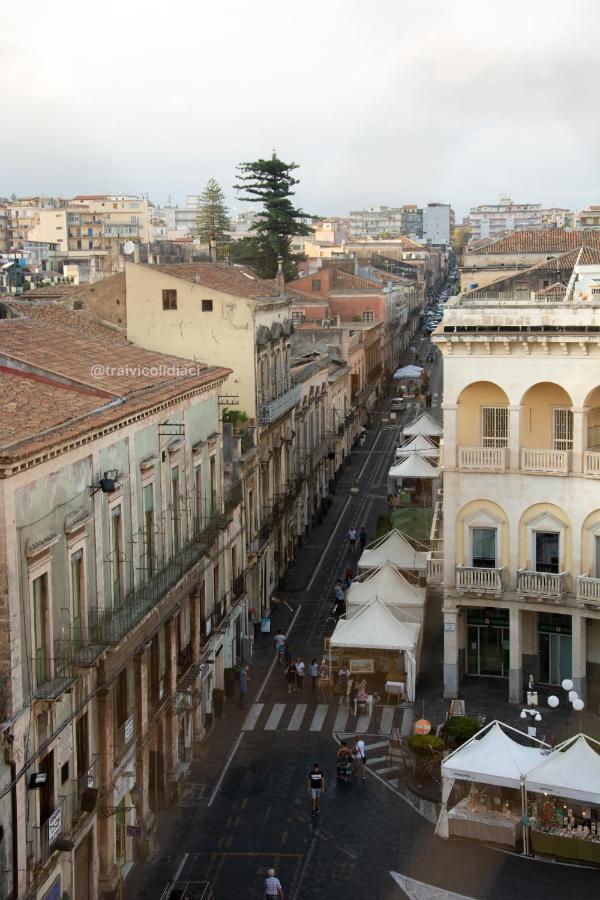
(425, 424)
(486, 818)
(394, 547)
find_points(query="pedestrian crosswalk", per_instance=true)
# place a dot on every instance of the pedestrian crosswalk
(335, 717)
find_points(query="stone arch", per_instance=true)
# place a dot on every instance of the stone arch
(545, 517)
(481, 513)
(538, 419)
(472, 399)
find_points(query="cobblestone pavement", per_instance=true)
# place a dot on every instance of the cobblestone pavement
(245, 804)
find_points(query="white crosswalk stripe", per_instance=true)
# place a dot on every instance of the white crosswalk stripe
(253, 716)
(319, 717)
(332, 717)
(296, 720)
(340, 720)
(387, 717)
(274, 718)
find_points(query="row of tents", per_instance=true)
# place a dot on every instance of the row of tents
(418, 456)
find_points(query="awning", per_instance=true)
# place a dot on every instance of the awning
(375, 627)
(408, 372)
(393, 547)
(425, 424)
(414, 466)
(493, 757)
(571, 771)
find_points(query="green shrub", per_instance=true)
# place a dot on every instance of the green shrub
(424, 744)
(462, 728)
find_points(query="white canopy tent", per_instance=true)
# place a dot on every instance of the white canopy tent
(375, 627)
(414, 466)
(388, 584)
(425, 424)
(491, 757)
(408, 372)
(419, 444)
(572, 771)
(393, 547)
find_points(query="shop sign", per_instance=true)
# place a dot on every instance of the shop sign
(54, 825)
(497, 621)
(449, 626)
(550, 628)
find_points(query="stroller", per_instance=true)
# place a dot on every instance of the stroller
(344, 764)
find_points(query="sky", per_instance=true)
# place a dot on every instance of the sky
(384, 103)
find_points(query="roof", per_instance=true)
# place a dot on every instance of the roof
(543, 240)
(65, 375)
(388, 584)
(419, 444)
(414, 466)
(493, 757)
(572, 771)
(345, 281)
(238, 281)
(408, 372)
(375, 627)
(395, 548)
(424, 424)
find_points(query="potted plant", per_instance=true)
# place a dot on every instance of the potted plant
(218, 700)
(459, 729)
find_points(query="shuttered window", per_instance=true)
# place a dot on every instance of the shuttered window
(494, 426)
(562, 429)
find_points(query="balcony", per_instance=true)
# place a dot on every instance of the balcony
(220, 611)
(124, 737)
(591, 463)
(239, 587)
(482, 459)
(87, 789)
(542, 585)
(49, 833)
(274, 409)
(479, 580)
(184, 660)
(53, 675)
(435, 567)
(545, 461)
(588, 589)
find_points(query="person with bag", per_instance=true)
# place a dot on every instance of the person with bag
(360, 758)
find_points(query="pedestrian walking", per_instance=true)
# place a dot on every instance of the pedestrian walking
(290, 676)
(279, 641)
(338, 591)
(360, 757)
(352, 539)
(273, 889)
(316, 787)
(300, 670)
(244, 678)
(362, 536)
(287, 653)
(348, 576)
(315, 672)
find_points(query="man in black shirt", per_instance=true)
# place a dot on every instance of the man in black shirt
(316, 786)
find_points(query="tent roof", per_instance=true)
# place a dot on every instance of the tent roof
(425, 424)
(408, 372)
(388, 584)
(418, 444)
(414, 466)
(375, 627)
(571, 771)
(493, 757)
(393, 547)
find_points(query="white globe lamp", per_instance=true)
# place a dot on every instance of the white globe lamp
(578, 704)
(567, 684)
(573, 695)
(553, 701)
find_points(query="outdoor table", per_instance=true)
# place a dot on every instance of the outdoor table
(484, 825)
(565, 847)
(395, 688)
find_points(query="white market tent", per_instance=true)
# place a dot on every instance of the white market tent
(572, 771)
(491, 757)
(386, 583)
(414, 466)
(393, 547)
(408, 372)
(375, 627)
(419, 444)
(425, 424)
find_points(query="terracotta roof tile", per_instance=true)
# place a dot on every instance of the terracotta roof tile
(238, 281)
(544, 240)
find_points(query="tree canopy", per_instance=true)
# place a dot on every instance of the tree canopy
(213, 216)
(270, 182)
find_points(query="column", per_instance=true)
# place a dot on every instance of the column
(144, 815)
(579, 654)
(514, 437)
(515, 671)
(449, 452)
(170, 720)
(580, 414)
(451, 673)
(108, 871)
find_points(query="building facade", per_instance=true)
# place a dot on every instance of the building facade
(388, 221)
(438, 223)
(521, 510)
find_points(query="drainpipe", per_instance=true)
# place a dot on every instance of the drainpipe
(14, 836)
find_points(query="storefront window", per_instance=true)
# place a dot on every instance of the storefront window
(554, 648)
(488, 642)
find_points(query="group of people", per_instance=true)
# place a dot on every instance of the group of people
(295, 667)
(354, 535)
(352, 762)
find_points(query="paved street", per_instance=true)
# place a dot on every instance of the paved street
(245, 806)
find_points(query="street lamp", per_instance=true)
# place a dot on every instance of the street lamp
(572, 695)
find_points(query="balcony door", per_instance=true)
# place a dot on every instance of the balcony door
(547, 551)
(483, 548)
(562, 429)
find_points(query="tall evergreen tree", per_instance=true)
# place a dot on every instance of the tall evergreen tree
(213, 216)
(270, 182)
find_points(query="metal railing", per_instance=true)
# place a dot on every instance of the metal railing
(274, 409)
(238, 587)
(588, 589)
(247, 439)
(482, 458)
(49, 833)
(220, 610)
(53, 674)
(86, 782)
(184, 659)
(542, 584)
(435, 567)
(545, 461)
(479, 580)
(233, 497)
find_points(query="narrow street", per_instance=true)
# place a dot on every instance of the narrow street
(245, 806)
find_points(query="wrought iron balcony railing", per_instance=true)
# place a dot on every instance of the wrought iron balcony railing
(270, 412)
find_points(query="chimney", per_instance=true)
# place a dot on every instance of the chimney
(279, 280)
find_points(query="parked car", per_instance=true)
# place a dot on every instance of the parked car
(398, 404)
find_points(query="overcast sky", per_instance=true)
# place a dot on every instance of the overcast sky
(380, 103)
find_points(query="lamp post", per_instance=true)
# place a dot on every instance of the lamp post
(573, 697)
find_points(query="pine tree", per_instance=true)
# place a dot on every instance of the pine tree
(213, 220)
(270, 182)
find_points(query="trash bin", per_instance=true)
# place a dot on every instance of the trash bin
(265, 624)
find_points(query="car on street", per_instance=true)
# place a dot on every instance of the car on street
(398, 404)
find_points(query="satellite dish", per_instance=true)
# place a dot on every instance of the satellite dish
(128, 248)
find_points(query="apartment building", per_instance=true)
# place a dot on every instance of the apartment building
(388, 221)
(438, 223)
(521, 509)
(122, 592)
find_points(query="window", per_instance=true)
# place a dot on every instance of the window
(315, 284)
(199, 510)
(169, 298)
(116, 555)
(176, 534)
(149, 529)
(494, 426)
(40, 626)
(546, 545)
(77, 594)
(207, 306)
(562, 429)
(213, 484)
(483, 548)
(121, 704)
(297, 318)
(367, 315)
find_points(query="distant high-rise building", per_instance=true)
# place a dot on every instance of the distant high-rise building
(438, 223)
(388, 221)
(490, 219)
